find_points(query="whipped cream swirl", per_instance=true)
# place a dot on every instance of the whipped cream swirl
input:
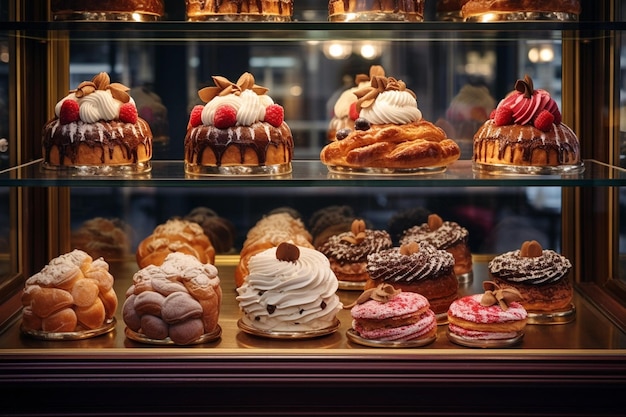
(392, 266)
(99, 105)
(289, 295)
(250, 107)
(445, 236)
(397, 107)
(343, 251)
(548, 268)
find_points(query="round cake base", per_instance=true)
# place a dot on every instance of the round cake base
(564, 316)
(142, 338)
(285, 334)
(503, 169)
(526, 16)
(241, 17)
(138, 168)
(492, 343)
(355, 337)
(234, 170)
(370, 16)
(106, 16)
(337, 169)
(106, 327)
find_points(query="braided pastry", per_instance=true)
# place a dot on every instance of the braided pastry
(419, 144)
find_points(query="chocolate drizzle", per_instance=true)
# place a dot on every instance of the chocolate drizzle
(242, 137)
(107, 136)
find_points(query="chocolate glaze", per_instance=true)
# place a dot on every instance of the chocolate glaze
(258, 137)
(105, 135)
(559, 139)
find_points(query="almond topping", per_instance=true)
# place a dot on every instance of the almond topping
(434, 222)
(531, 249)
(409, 248)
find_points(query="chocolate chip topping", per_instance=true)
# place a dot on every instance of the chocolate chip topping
(287, 252)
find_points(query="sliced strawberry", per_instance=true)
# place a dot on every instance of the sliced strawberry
(225, 116)
(69, 112)
(544, 120)
(128, 113)
(195, 118)
(503, 116)
(354, 114)
(274, 114)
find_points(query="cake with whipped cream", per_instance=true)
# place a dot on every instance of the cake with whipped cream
(176, 302)
(125, 10)
(419, 268)
(344, 111)
(385, 313)
(369, 10)
(239, 10)
(540, 275)
(97, 125)
(72, 293)
(289, 288)
(444, 235)
(389, 133)
(348, 251)
(240, 130)
(526, 130)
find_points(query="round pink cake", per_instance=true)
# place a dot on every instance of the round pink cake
(406, 316)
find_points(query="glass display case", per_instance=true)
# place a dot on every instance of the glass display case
(573, 368)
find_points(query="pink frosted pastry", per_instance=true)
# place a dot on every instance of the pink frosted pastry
(384, 313)
(494, 315)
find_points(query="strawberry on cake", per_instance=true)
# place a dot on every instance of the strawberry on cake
(526, 130)
(240, 130)
(97, 125)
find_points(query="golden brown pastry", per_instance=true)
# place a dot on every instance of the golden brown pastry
(240, 10)
(520, 10)
(175, 235)
(270, 231)
(389, 133)
(63, 296)
(102, 237)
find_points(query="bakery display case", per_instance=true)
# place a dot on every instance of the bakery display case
(568, 366)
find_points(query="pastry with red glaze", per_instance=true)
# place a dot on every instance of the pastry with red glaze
(388, 314)
(540, 275)
(240, 130)
(419, 268)
(494, 315)
(525, 130)
(445, 235)
(97, 125)
(490, 10)
(348, 251)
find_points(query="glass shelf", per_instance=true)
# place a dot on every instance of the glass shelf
(308, 30)
(310, 173)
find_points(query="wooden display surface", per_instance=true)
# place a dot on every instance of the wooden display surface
(578, 368)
